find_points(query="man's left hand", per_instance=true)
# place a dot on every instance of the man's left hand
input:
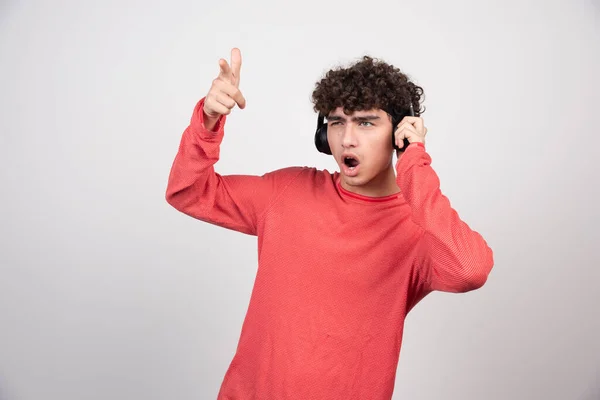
(411, 128)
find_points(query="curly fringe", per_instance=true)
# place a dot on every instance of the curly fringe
(367, 84)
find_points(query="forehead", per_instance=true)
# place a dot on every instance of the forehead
(358, 113)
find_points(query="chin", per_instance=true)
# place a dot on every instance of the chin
(358, 180)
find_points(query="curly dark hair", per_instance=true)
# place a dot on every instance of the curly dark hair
(367, 84)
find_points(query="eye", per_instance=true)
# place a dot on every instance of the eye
(367, 122)
(334, 123)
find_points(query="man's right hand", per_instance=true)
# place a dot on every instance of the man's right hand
(224, 93)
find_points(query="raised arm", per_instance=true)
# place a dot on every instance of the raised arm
(452, 256)
(235, 202)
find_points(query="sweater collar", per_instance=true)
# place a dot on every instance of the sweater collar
(362, 198)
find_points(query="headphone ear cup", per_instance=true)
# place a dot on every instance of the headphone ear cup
(394, 127)
(323, 143)
(321, 136)
(396, 119)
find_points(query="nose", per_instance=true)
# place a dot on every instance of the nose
(349, 136)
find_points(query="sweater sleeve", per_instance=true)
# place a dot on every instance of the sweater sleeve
(454, 258)
(235, 202)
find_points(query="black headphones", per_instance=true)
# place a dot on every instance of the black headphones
(321, 134)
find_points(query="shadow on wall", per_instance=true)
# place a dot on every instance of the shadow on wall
(7, 7)
(5, 393)
(593, 393)
(595, 5)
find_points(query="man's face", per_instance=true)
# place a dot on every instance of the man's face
(365, 136)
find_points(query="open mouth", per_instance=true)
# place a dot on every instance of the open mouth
(350, 162)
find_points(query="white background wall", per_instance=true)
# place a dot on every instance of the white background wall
(106, 292)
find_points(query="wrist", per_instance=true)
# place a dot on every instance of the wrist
(210, 122)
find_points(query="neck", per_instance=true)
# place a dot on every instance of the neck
(383, 184)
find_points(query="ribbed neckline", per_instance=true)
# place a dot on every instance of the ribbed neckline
(360, 197)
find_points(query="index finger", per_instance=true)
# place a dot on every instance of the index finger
(236, 63)
(417, 122)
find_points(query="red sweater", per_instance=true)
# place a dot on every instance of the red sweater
(337, 272)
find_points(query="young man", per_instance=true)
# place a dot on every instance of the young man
(344, 256)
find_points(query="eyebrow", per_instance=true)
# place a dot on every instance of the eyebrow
(359, 118)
